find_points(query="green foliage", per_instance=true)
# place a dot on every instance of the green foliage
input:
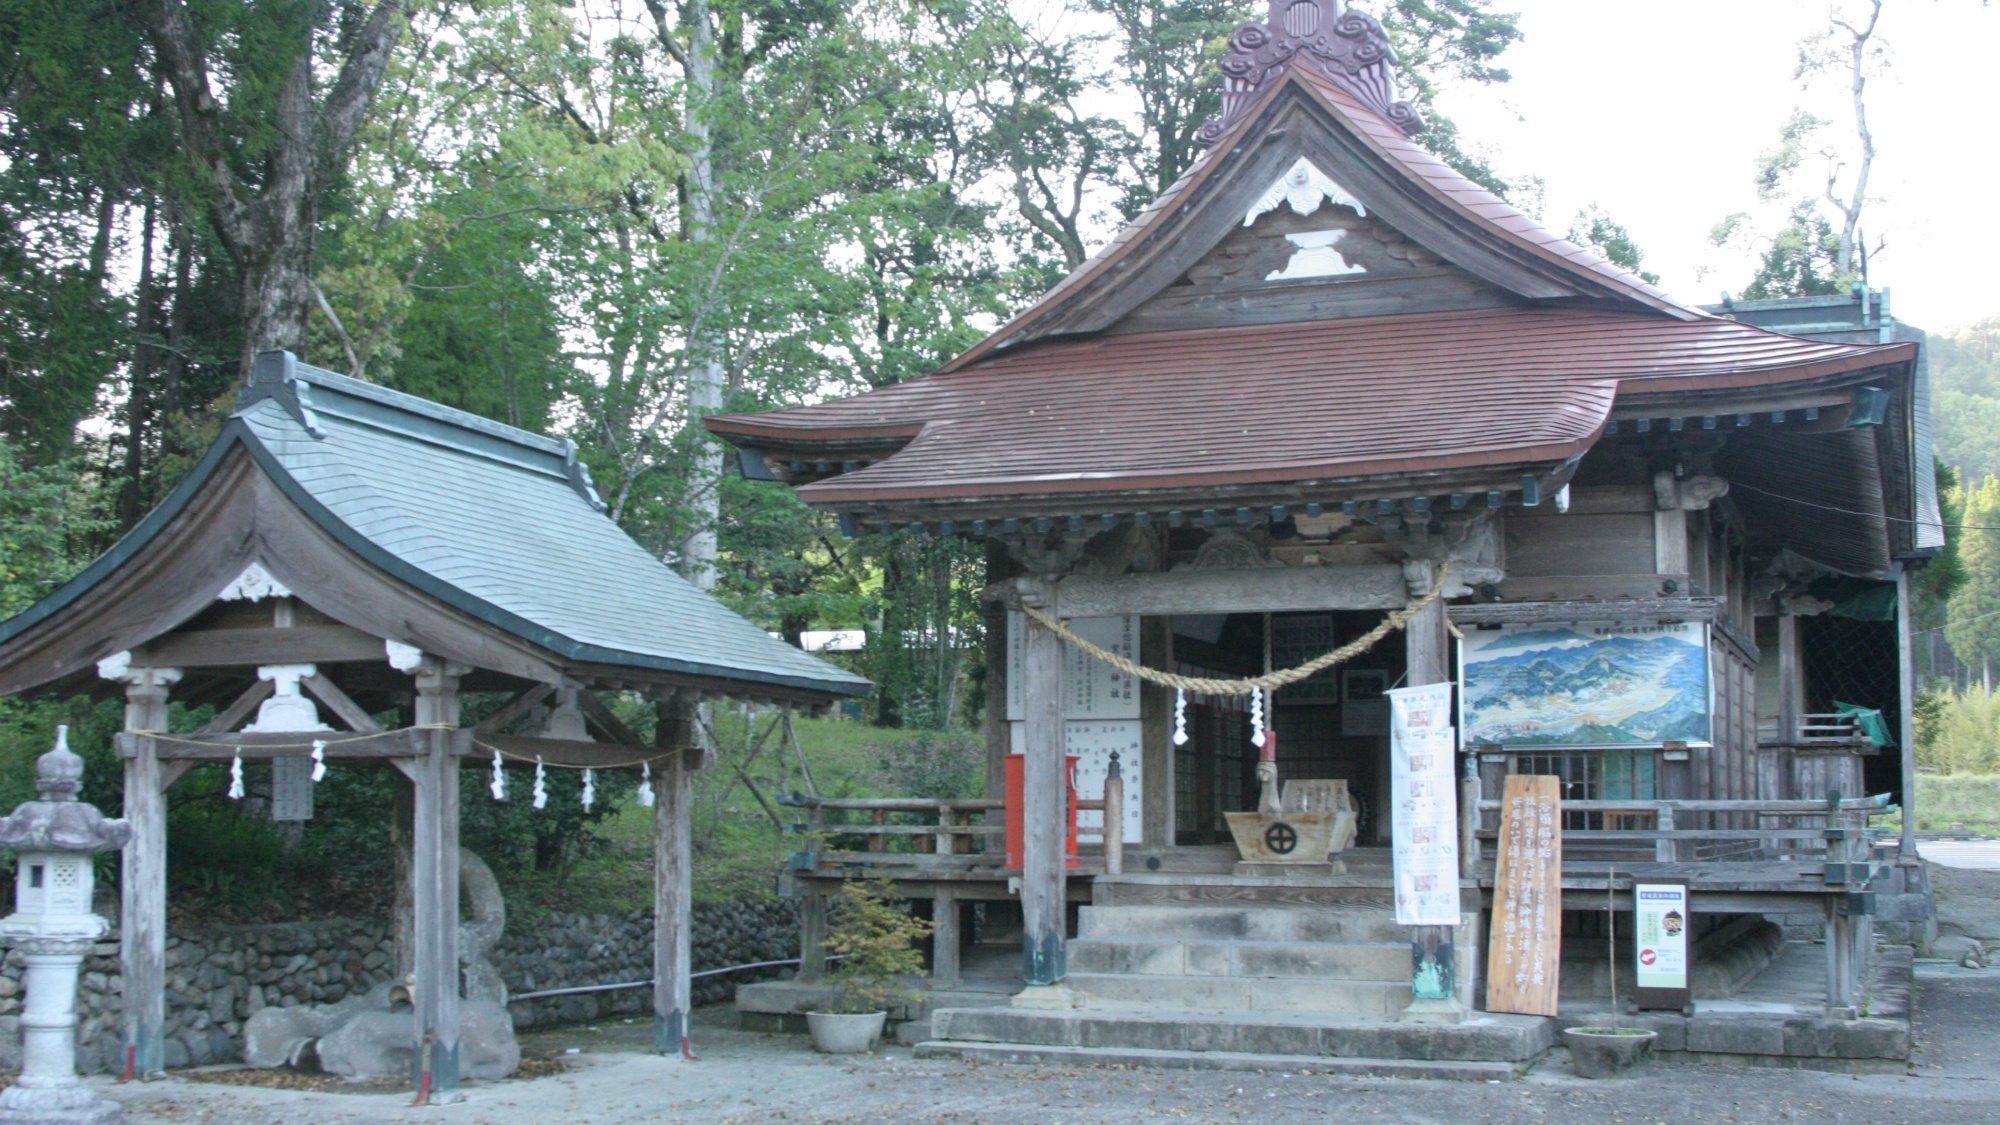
(926, 632)
(1932, 586)
(50, 523)
(1973, 610)
(1801, 261)
(1594, 228)
(875, 936)
(1959, 801)
(1961, 733)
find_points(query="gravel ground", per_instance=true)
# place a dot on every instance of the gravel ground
(746, 1078)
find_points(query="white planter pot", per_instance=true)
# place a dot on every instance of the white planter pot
(835, 1034)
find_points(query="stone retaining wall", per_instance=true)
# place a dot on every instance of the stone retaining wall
(217, 976)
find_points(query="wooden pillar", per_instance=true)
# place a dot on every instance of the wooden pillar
(1044, 813)
(1427, 646)
(1156, 734)
(944, 937)
(812, 934)
(1906, 718)
(434, 881)
(1791, 683)
(142, 916)
(673, 877)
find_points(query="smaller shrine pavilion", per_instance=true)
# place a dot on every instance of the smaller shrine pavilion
(346, 563)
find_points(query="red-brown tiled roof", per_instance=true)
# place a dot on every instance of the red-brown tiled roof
(1322, 400)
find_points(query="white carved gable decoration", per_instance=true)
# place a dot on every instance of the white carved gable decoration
(254, 584)
(287, 710)
(1304, 187)
(1318, 255)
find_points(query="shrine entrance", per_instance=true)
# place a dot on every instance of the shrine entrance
(1332, 726)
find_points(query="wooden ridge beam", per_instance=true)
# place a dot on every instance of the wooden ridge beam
(219, 648)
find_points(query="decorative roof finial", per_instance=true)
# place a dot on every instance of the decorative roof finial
(59, 773)
(1347, 46)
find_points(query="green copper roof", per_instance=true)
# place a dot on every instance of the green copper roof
(495, 521)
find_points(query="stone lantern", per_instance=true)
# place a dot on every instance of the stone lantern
(53, 927)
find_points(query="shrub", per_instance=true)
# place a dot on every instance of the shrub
(876, 938)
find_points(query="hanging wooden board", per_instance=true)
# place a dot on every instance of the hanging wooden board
(1524, 952)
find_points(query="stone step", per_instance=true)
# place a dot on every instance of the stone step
(1377, 961)
(1222, 1060)
(1362, 997)
(1233, 923)
(1482, 1038)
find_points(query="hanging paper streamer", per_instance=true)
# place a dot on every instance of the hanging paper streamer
(541, 785)
(319, 761)
(236, 777)
(1180, 717)
(499, 785)
(589, 789)
(1257, 717)
(645, 785)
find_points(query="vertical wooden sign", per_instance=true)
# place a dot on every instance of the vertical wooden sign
(1524, 952)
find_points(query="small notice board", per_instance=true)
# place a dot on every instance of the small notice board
(1661, 921)
(1524, 952)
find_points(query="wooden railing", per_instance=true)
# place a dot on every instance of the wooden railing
(948, 823)
(1738, 830)
(1817, 729)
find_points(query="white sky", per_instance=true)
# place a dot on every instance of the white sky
(1657, 112)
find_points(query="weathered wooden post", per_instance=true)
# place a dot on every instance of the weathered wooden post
(434, 878)
(673, 875)
(142, 890)
(1433, 960)
(1045, 810)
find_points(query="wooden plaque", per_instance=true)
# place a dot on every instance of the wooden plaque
(1524, 952)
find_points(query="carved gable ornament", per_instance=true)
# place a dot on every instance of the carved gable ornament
(1345, 45)
(1303, 187)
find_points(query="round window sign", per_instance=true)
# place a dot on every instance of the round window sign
(1281, 838)
(1647, 957)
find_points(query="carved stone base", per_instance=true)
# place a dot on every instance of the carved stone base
(1044, 997)
(57, 1105)
(1433, 1011)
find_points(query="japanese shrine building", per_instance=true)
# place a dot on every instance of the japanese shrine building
(1322, 373)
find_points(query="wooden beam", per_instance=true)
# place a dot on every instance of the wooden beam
(230, 717)
(220, 748)
(566, 752)
(353, 714)
(1627, 609)
(1263, 590)
(221, 648)
(514, 709)
(608, 724)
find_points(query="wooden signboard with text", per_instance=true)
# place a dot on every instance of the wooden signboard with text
(1524, 952)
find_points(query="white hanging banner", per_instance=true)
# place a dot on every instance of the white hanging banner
(1424, 804)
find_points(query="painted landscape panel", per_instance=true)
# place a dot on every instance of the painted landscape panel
(1601, 684)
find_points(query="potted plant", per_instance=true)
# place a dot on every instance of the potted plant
(875, 941)
(1614, 1051)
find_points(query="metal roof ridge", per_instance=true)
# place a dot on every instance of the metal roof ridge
(425, 408)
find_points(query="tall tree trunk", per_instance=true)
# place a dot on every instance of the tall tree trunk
(699, 549)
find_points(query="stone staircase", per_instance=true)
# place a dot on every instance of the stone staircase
(1299, 986)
